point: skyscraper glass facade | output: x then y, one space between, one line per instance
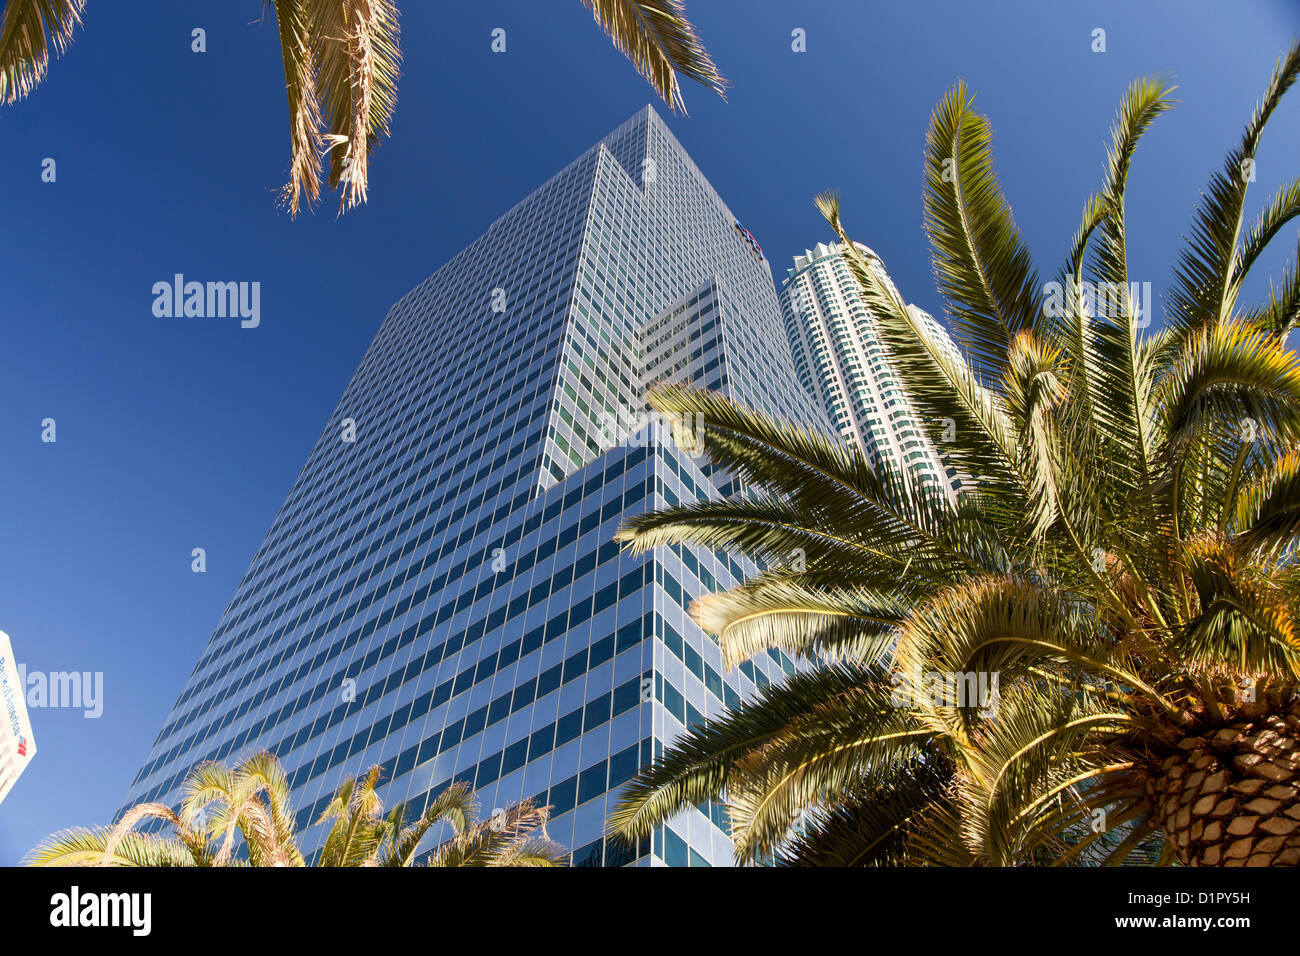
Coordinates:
440 593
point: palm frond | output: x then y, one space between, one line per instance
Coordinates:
506 838
803 466
1282 314
1035 387
86 847
294 21
28 28
782 610
1122 409
871 827
1268 510
698 765
660 41
1233 377
984 268
843 742
1037 740
1281 209
455 805
355 837
1203 289
359 63
262 776
1246 625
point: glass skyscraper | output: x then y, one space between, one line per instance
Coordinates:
440 593
842 360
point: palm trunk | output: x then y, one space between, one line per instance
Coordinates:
1232 796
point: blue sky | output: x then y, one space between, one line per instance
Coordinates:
175 434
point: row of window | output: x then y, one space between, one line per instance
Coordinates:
615 467
538 743
415 485
579 613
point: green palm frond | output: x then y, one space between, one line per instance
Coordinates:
507 838
843 741
532 852
355 837
808 482
263 778
781 610
1231 377
660 42
1282 314
1090 820
1034 388
1203 283
700 763
1144 100
86 847
1036 741
934 835
1070 328
1122 408
808 468
984 268
872 826
28 28
455 805
192 842
1268 510
1281 209
1246 625
211 802
1009 626
1095 210
765 527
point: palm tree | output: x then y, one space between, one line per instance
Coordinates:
363 836
1121 568
342 60
251 801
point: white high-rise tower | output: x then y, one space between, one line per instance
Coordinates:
842 361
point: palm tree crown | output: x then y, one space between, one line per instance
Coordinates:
1094 651
225 811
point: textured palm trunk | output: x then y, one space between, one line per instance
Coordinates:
1232 796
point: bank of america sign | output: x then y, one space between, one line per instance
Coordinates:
17 747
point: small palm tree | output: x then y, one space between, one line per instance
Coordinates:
251 801
342 60
218 803
1122 568
363 836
